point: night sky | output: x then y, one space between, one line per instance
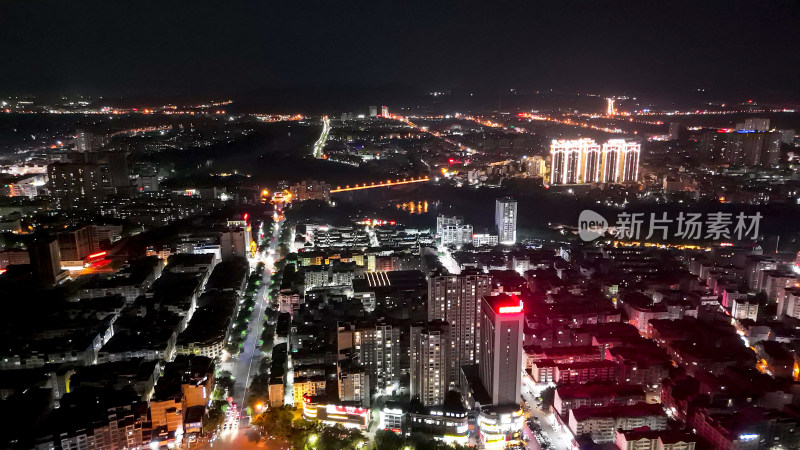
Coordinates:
233 47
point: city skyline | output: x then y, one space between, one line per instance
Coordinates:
399 226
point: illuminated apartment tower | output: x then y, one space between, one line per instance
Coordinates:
620 161
430 362
456 299
505 218
575 161
582 161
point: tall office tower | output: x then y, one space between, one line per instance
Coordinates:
373 111
430 346
753 124
500 367
574 161
620 161
505 219
76 185
46 260
385 111
455 299
75 245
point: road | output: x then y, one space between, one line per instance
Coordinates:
560 440
246 365
319 146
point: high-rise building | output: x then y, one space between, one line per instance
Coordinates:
675 131
385 111
752 148
501 340
373 111
87 141
753 124
77 244
236 241
582 161
353 383
310 190
381 348
505 218
623 167
46 260
117 168
455 299
536 166
453 231
83 141
430 362
568 165
76 185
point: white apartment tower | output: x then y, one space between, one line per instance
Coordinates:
430 362
505 218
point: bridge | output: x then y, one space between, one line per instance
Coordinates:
380 184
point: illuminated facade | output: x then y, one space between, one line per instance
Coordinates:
445 423
429 362
581 161
500 426
611 110
455 299
621 161
336 414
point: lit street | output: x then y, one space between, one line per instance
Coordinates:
246 364
560 440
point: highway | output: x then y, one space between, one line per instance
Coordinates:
319 146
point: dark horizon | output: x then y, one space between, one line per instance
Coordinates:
285 53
